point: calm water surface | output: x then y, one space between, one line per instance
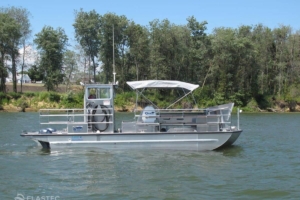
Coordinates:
264 163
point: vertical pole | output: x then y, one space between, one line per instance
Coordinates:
114 72
238 118
136 102
114 83
113 107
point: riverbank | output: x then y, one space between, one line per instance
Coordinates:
280 107
13 108
34 101
39 87
34 98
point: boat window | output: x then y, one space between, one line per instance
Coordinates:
104 93
98 93
92 93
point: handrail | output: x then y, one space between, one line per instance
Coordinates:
78 115
189 109
72 116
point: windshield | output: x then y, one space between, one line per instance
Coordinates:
98 93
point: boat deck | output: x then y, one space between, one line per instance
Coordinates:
100 120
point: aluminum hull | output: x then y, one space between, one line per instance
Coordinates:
168 141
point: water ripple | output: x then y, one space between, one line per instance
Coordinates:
263 164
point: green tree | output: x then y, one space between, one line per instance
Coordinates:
198 67
262 38
234 66
21 15
51 45
294 58
281 37
139 52
35 73
87 27
82 62
9 36
169 44
70 66
113 32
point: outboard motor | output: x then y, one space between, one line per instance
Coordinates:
149 114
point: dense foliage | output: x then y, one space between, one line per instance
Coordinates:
244 64
250 62
39 100
10 33
52 44
87 26
14 33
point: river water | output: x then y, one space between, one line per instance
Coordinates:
264 163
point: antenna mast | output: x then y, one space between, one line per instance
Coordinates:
114 72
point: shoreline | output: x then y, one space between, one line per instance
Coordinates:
38 99
11 108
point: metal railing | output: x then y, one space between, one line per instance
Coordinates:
197 120
66 119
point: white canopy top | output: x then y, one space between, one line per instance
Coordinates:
161 84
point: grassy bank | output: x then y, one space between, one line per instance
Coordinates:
33 101
34 97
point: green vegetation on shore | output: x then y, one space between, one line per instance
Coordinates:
38 100
254 66
33 101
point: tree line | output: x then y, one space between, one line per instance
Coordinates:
14 33
229 64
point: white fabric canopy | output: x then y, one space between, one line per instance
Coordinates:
161 84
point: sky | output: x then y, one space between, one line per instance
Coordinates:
217 13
